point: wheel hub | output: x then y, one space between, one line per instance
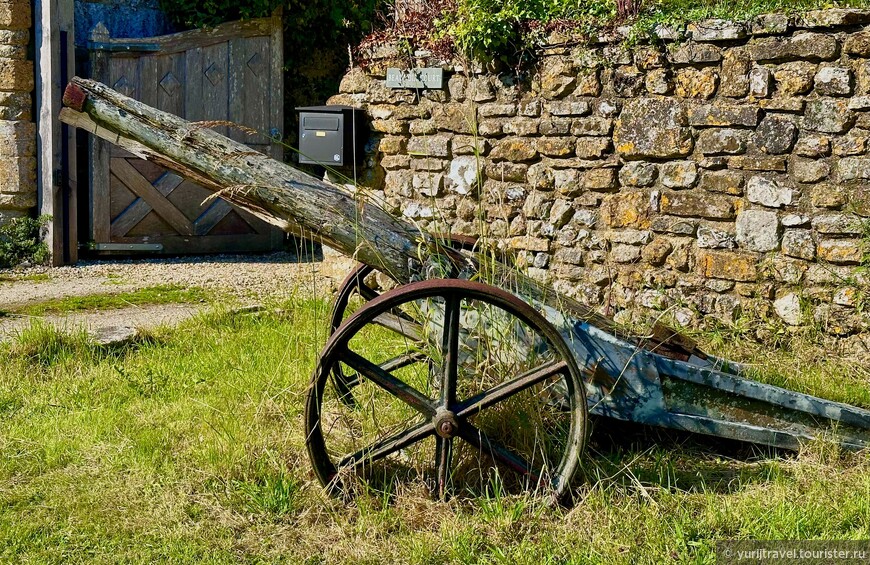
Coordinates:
446 423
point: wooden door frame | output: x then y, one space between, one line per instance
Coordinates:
54 38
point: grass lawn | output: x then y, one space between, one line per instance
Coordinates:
189 448
152 295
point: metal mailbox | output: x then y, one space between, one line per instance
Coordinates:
333 136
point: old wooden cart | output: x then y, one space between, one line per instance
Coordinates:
467 374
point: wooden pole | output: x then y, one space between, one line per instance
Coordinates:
275 192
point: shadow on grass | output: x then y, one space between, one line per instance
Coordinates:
635 456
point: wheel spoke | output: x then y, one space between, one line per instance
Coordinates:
443 456
497 451
505 390
401 390
387 446
366 291
450 349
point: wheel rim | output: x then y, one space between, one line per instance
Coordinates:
354 284
489 398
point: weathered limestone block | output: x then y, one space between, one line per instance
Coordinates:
696 83
760 82
555 126
392 127
657 251
428 164
423 127
16 74
723 115
455 117
394 162
507 171
795 78
799 244
393 145
813 146
15 15
557 78
430 146
658 81
768 192
716 30
18 201
591 126
464 175
722 141
638 174
728 265
701 205
735 74
852 168
480 89
468 145
858 44
15 37
17 139
18 175
356 81
626 210
541 177
627 82
808 170
758 230
834 81
497 110
838 224
588 83
695 53
769 24
512 149
853 143
555 146
725 182
840 251
828 115
569 108
538 204
834 17
521 127
600 180
651 127
674 225
428 184
788 308
775 135
826 195
679 174
710 237
805 45
591 147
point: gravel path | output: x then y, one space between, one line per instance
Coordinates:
246 279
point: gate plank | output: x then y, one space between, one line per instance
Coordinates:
136 212
140 186
210 218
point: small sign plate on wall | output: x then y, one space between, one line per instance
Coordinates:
431 78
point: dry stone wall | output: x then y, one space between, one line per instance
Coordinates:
17 131
723 173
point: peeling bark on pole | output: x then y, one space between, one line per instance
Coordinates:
274 191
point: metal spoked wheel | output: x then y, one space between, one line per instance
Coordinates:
459 385
355 291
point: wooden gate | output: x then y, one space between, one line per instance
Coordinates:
230 73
